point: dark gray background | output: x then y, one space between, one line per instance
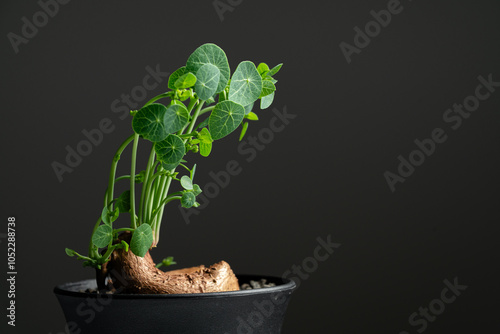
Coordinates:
322 175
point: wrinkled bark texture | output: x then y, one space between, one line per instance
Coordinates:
128 273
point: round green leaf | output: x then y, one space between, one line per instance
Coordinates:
225 118
267 88
185 81
208 79
149 122
171 150
205 149
103 236
266 101
210 54
123 202
69 252
176 117
246 84
248 108
188 199
186 183
176 75
204 136
142 239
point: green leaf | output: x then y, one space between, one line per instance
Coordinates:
246 84
243 130
176 75
225 118
166 262
263 69
266 101
109 216
205 149
248 108
123 202
203 124
275 70
170 151
186 182
208 79
185 81
142 239
149 122
204 136
188 199
176 117
196 190
70 252
210 54
103 236
267 88
252 116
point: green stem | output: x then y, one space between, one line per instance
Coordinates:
123 229
112 173
146 180
156 98
205 110
132 182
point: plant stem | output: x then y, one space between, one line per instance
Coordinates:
144 193
112 173
205 110
132 182
156 98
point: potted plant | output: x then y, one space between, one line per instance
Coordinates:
130 293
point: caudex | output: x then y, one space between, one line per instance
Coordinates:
207 103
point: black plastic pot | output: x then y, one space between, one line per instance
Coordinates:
255 311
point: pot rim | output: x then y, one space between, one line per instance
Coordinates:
286 285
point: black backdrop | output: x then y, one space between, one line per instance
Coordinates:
322 175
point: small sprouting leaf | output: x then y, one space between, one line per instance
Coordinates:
267 88
103 236
171 150
105 216
252 117
205 149
124 245
142 239
243 130
208 79
185 81
210 100
263 69
186 182
176 117
248 108
149 122
275 70
225 118
188 199
123 202
70 252
266 101
186 94
176 75
210 54
166 262
204 136
196 190
246 84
